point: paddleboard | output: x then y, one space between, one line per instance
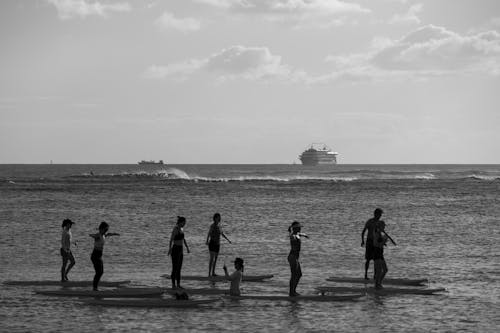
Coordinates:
149 303
314 298
393 281
122 292
383 291
65 284
198 291
221 278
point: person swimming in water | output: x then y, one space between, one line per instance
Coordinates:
213 242
66 254
175 250
96 256
293 257
235 277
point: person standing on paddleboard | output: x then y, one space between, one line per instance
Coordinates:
236 277
66 239
96 256
175 250
213 242
369 228
293 256
380 238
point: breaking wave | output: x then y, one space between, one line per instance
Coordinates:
235 174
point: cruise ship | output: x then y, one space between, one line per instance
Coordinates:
150 162
318 154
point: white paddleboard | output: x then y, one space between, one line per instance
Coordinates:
314 298
64 284
393 281
122 292
383 291
221 278
149 303
198 291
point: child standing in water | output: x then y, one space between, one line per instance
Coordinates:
175 249
213 242
66 239
236 277
293 256
96 257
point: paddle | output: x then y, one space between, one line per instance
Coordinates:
389 237
223 235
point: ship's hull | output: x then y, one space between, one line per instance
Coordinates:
315 163
150 162
312 161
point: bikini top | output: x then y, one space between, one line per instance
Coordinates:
99 242
294 244
179 235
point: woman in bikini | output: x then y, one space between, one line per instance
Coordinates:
175 250
96 256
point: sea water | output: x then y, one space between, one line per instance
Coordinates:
445 220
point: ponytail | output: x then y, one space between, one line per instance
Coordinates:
181 219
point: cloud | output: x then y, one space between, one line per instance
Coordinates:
250 63
410 17
68 9
317 13
179 71
283 6
169 21
426 52
437 49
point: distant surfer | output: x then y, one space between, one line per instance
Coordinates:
96 256
369 228
66 239
380 238
293 256
213 242
175 250
235 277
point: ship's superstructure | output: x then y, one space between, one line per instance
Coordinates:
318 154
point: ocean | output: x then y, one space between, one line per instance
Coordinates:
445 220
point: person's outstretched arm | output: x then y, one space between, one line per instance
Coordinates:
228 277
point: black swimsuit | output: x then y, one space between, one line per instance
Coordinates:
177 258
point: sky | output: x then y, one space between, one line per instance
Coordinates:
249 81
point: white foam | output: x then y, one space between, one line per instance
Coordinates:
483 177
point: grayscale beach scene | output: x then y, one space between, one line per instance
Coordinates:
249 166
